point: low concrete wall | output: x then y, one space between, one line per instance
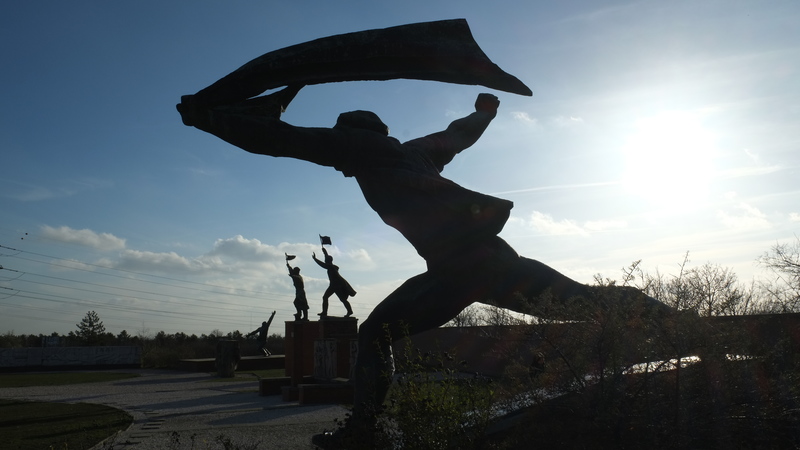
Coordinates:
69 357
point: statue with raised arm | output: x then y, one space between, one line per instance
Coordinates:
300 301
453 228
263 334
337 285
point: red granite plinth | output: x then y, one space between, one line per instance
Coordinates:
300 338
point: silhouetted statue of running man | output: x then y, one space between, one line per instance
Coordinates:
454 229
263 334
337 285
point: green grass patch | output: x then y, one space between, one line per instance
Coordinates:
58 425
59 378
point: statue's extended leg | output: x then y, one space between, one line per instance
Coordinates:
492 272
343 299
548 293
488 272
421 303
325 298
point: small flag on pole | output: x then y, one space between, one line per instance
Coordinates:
325 240
290 257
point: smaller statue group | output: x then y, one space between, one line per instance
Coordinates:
337 285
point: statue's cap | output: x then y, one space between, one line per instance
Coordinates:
366 120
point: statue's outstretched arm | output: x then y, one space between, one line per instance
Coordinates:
460 134
319 263
265 134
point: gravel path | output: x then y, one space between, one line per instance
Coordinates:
180 410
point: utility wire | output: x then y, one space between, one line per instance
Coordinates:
225 288
285 297
72 267
207 289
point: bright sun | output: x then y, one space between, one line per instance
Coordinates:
669 160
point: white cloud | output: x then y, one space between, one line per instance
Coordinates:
794 217
242 249
361 258
524 117
546 224
85 237
227 256
563 121
168 262
742 172
248 260
71 264
745 217
602 225
555 121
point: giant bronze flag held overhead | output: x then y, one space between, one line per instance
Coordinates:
442 51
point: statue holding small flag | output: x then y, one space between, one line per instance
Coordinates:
300 301
338 285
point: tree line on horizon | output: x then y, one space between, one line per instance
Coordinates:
709 289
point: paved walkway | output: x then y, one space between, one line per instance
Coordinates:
181 410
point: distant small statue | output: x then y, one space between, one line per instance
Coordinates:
338 285
263 332
300 300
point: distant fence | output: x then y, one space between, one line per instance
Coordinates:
69 357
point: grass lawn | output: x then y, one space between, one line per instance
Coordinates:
33 425
9 380
30 425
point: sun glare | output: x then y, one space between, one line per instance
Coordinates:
669 160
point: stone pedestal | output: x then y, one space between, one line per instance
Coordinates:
332 336
227 358
299 349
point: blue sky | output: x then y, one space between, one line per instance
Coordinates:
655 128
